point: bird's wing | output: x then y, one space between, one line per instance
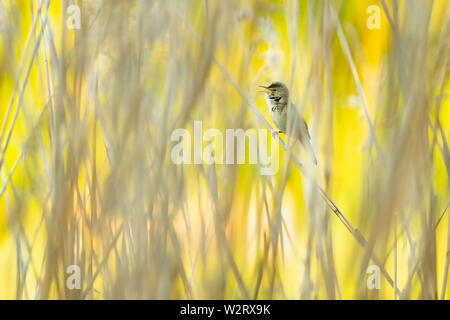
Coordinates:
298 123
300 129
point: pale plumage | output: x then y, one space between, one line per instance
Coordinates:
287 118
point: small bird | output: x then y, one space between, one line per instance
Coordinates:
287 118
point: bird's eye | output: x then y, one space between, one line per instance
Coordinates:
274 90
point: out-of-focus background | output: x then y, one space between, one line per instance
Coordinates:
86 117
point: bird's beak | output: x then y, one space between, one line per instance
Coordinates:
266 90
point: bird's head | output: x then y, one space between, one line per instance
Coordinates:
277 92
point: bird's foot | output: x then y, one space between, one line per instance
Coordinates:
275 133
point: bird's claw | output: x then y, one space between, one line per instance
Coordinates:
275 133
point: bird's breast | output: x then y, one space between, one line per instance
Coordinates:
277 113
279 118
